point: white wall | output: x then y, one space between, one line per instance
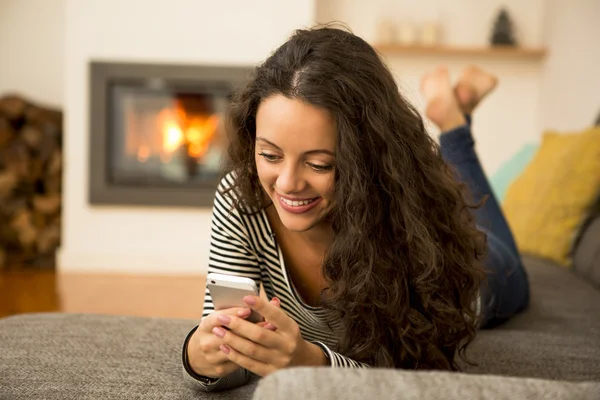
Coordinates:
560 92
570 85
241 32
464 22
32 49
509 117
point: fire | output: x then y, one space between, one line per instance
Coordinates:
143 154
178 129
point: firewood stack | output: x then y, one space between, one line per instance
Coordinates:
30 183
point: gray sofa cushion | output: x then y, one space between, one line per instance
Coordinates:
59 356
327 384
586 257
557 337
62 356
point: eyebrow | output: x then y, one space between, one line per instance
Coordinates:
306 152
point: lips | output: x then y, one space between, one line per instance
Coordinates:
298 206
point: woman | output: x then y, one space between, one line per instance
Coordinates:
341 205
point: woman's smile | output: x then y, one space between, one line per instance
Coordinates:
295 158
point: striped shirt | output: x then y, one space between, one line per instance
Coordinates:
244 245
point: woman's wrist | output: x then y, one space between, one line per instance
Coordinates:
189 365
316 356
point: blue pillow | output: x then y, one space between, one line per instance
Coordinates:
511 169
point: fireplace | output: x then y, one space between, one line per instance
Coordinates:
157 134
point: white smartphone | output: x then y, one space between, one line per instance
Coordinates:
228 291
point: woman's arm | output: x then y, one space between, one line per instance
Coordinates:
337 360
230 253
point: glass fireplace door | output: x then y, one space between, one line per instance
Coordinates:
165 137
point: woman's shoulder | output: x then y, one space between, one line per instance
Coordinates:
227 184
229 196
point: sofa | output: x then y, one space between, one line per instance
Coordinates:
552 350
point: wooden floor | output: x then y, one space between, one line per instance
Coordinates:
23 291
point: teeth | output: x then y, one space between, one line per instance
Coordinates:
296 203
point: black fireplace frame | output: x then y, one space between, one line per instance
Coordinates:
102 75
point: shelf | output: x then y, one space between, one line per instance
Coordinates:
515 52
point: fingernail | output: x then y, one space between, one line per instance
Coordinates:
224 349
219 332
277 300
244 312
270 326
250 300
224 319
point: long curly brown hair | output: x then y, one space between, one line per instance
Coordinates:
404 270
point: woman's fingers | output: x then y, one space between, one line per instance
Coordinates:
243 345
251 331
211 320
271 311
267 325
257 367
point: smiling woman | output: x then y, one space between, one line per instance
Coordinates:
295 158
338 202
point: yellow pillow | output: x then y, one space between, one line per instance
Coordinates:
545 205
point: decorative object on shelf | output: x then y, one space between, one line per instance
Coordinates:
502 34
406 34
430 34
386 33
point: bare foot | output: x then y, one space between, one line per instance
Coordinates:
442 107
472 86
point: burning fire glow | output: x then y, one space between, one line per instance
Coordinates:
178 129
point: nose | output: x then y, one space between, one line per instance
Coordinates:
290 180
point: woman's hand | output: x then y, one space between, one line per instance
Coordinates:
204 355
263 351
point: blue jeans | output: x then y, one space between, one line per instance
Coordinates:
506 291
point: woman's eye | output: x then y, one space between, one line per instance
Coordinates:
321 168
269 157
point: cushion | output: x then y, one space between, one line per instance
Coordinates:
328 384
586 258
556 337
511 170
547 203
74 356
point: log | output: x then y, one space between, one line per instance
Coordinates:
48 239
8 236
47 204
27 233
8 182
32 136
55 163
43 116
39 220
6 131
36 171
51 141
12 205
30 182
12 107
15 158
53 184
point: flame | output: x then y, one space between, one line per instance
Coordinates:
200 133
143 153
178 129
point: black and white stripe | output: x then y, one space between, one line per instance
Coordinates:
244 245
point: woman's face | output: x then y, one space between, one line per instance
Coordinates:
295 160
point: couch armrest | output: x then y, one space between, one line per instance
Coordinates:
365 384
